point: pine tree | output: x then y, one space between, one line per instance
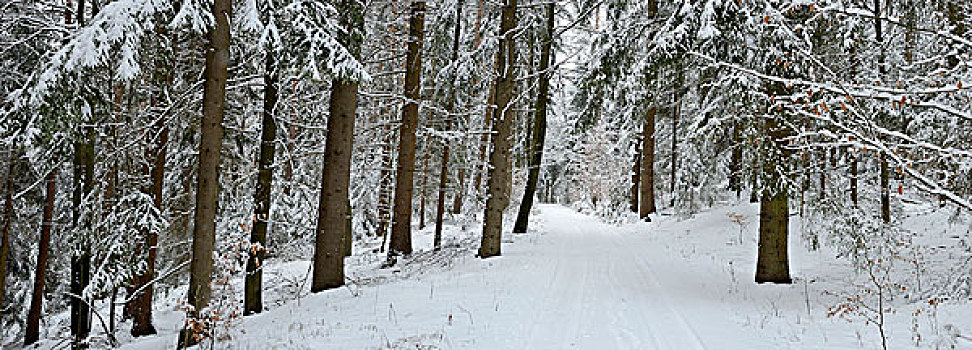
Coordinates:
401 236
333 231
539 124
500 160
210 143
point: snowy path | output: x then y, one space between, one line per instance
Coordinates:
575 284
599 290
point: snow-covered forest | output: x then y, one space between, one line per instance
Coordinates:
472 174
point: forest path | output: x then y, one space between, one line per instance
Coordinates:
573 282
601 289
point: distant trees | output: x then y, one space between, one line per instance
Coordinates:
659 107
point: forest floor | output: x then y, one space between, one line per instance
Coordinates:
575 282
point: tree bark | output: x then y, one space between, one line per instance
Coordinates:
501 172
539 125
253 297
401 237
648 165
334 208
43 251
210 142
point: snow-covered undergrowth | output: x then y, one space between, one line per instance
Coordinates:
576 282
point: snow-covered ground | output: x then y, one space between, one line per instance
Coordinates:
578 283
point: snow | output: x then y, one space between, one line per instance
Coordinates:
575 282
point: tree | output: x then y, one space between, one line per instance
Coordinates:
444 171
40 273
253 297
401 236
501 170
648 164
539 125
207 185
333 232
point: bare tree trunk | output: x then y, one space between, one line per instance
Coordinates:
40 274
500 174
539 125
401 238
253 297
334 208
735 162
425 182
443 172
648 165
210 142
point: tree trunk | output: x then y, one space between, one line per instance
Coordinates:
81 262
735 161
43 250
635 178
486 137
539 125
334 208
425 182
401 237
885 188
772 263
501 172
853 179
210 142
384 186
648 165
823 173
253 297
676 115
443 172
142 305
